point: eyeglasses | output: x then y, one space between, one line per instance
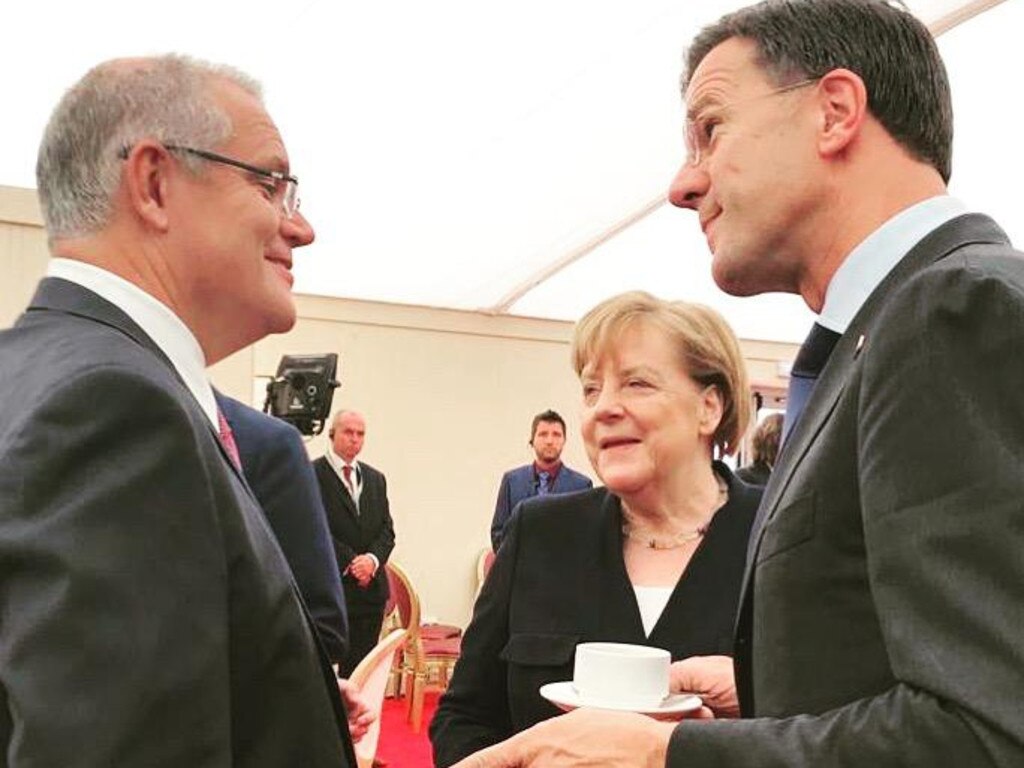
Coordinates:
700 130
285 189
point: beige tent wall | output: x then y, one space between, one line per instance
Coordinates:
23 251
448 398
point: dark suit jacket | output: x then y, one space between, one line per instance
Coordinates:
755 474
149 617
883 615
559 580
521 483
277 467
370 530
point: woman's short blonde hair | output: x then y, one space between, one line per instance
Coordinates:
708 350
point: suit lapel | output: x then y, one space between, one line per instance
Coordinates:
616 614
969 229
349 500
341 491
367 505
58 295
819 407
563 482
524 487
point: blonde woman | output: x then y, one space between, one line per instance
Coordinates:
655 557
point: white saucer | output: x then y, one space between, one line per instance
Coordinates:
674 707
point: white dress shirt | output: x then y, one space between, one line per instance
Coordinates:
338 464
157 320
874 258
651 601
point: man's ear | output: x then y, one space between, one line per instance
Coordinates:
843 102
146 176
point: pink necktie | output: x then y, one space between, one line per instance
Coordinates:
227 439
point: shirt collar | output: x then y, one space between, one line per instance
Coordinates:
156 319
337 462
537 469
868 264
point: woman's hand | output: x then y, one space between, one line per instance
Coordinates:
710 677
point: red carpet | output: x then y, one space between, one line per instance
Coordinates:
399 747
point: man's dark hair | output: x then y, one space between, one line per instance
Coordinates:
549 416
890 49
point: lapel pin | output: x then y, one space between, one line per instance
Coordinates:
860 346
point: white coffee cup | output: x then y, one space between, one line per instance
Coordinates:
620 674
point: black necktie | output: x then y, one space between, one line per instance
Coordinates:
810 361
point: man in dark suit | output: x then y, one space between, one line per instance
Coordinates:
881 618
547 474
276 465
355 496
149 615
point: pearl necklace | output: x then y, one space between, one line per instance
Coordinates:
647 538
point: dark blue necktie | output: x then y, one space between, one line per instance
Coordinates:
810 361
543 478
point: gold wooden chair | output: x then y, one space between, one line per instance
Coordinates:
371 677
484 561
430 651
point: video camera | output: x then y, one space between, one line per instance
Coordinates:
302 391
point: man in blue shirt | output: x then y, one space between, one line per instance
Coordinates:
547 474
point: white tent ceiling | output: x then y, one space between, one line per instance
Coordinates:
458 153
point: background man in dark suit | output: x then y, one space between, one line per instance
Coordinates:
276 465
149 616
355 496
882 617
547 474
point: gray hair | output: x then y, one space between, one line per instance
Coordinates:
116 104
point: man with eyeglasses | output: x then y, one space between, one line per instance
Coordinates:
149 616
882 616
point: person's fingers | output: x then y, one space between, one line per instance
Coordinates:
687 676
478 760
366 718
349 692
498 756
